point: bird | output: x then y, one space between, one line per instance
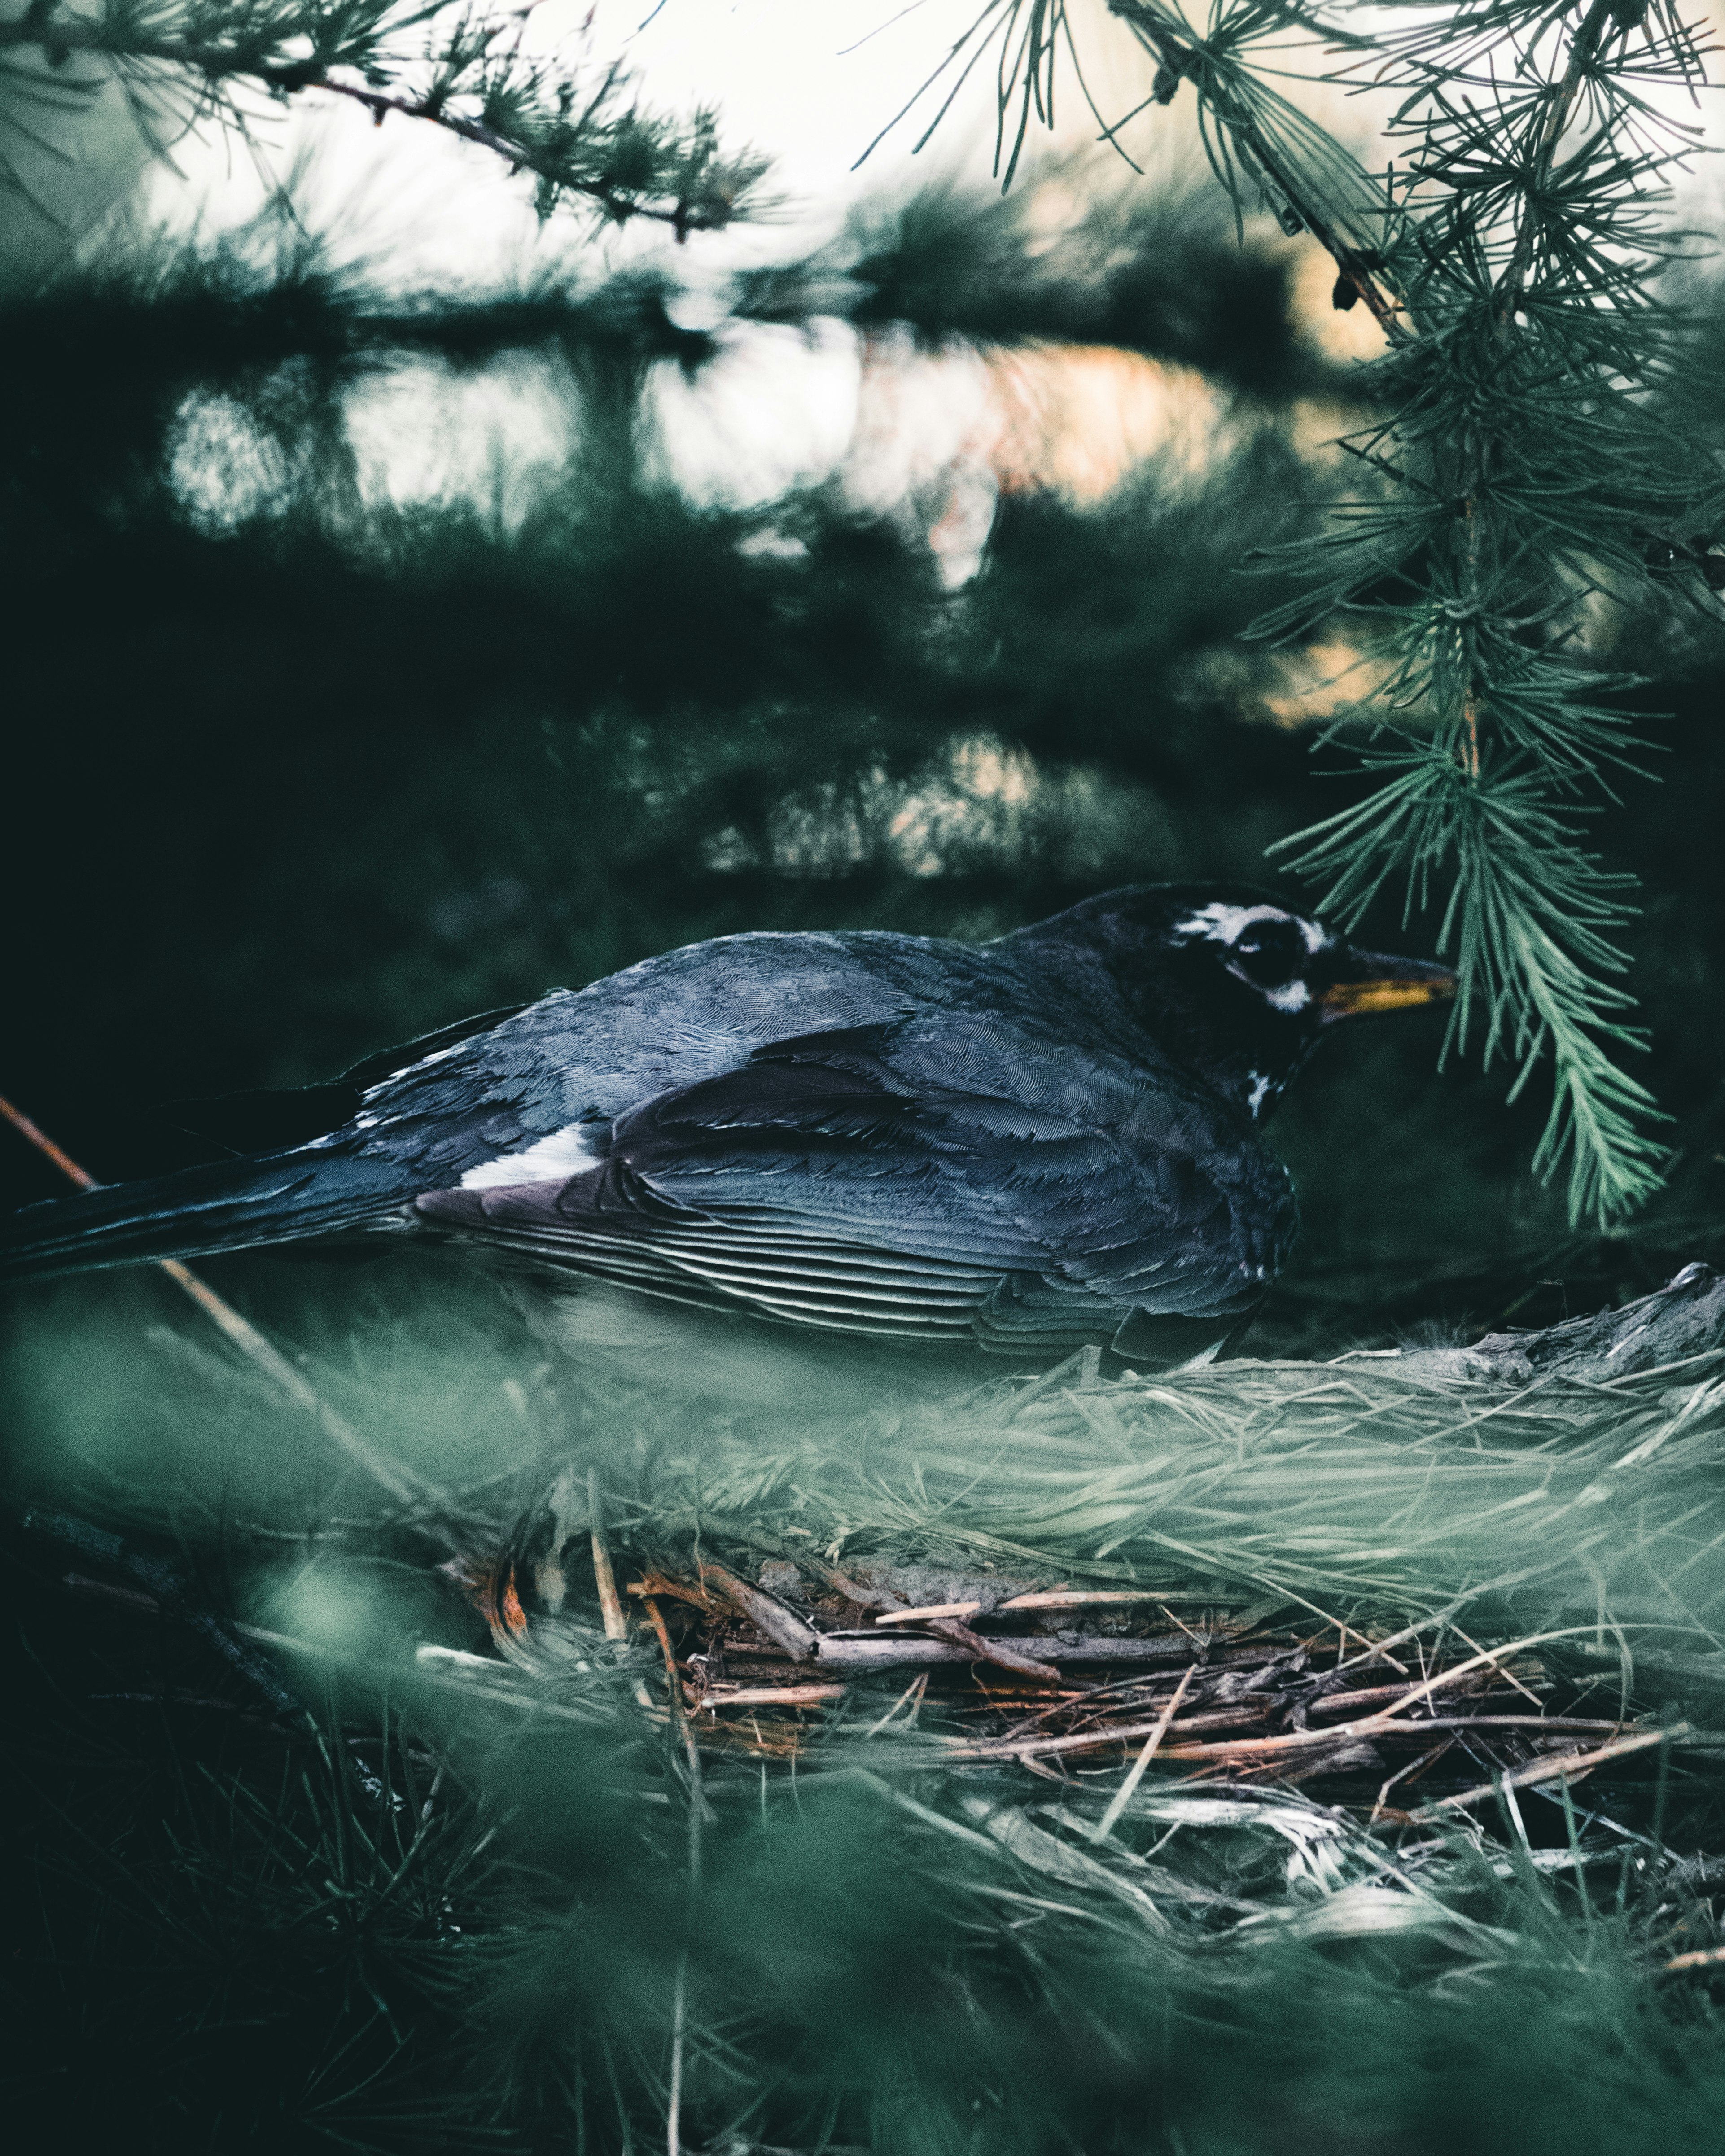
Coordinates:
1023 1147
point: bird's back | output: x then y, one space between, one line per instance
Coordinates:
865 1131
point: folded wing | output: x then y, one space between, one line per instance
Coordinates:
831 1181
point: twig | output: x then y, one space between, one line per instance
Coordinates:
1411 1772
674 1678
800 1641
1057 1597
475 1676
1014 1655
1549 129
166 1590
1027 1654
1377 1651
1245 1749
1561 1766
1508 1676
1492 1657
611 1609
616 1624
1005 1655
913 1691
401 1483
1087 1740
811 1694
216 63
1123 1795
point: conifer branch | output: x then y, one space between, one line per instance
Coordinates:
462 69
1185 59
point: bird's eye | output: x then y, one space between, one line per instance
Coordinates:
1269 953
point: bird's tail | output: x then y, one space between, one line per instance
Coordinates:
230 1205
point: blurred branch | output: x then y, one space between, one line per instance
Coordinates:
577 136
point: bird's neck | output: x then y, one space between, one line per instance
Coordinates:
1157 1021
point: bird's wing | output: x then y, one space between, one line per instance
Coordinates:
832 1180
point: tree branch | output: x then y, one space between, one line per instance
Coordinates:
1182 59
1547 136
218 64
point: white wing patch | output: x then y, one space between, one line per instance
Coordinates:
1221 923
564 1152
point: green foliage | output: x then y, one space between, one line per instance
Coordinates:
452 1905
1524 470
577 130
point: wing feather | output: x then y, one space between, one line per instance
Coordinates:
830 1181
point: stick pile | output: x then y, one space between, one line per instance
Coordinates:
1063 1680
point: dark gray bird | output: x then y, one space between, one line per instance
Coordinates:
1024 1145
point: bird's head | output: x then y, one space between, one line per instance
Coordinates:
1234 984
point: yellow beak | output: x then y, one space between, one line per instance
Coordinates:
1387 985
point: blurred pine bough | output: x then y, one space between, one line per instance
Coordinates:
503 726
572 124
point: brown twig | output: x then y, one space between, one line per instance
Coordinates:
800 1641
1026 1654
1015 1656
616 1624
1247 1748
810 1694
1135 1775
1054 1598
674 1679
1560 1766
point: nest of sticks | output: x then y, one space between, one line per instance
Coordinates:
770 1657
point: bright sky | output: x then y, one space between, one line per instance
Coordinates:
809 82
